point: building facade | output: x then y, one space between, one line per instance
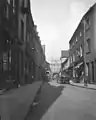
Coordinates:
76 52
55 66
66 64
43 46
21 54
8 42
83 47
64 59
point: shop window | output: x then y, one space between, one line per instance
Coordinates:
24 9
13 6
8 1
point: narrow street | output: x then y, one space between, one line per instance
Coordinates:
64 102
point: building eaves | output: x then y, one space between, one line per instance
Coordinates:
75 32
89 10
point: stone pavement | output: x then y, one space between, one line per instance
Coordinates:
64 102
89 86
15 103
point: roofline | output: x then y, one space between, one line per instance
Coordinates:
82 20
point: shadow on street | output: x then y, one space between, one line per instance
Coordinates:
48 96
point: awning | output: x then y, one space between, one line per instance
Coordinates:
78 61
69 68
78 65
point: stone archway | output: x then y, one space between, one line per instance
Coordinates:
55 75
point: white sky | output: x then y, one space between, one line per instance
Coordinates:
56 22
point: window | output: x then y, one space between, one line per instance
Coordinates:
76 39
87 23
22 7
80 34
13 6
81 51
88 46
5 61
22 30
73 57
6 9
